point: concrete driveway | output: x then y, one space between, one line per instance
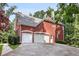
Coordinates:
41 49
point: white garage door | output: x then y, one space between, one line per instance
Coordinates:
46 38
26 37
41 38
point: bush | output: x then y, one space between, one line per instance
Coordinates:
4 37
0 37
61 42
13 40
75 42
1 46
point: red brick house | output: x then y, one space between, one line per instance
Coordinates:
4 21
31 29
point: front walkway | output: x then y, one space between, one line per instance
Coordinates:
5 49
44 50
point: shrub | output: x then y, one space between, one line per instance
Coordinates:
1 46
14 46
13 40
75 42
4 37
61 42
0 37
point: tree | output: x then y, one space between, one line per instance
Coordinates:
3 5
68 14
49 12
3 34
76 26
42 13
9 11
67 11
39 14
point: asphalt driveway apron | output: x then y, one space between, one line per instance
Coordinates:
41 49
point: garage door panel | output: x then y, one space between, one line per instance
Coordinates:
46 38
41 38
38 38
26 38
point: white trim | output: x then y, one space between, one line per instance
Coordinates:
34 32
41 33
26 31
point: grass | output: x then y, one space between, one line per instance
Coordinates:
1 49
14 46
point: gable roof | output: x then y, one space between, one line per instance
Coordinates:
29 20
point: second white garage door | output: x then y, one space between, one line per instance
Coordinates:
26 37
41 38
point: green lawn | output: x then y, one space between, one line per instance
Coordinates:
14 46
1 49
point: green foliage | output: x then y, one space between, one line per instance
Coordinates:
13 40
42 13
0 37
73 42
14 46
76 27
61 42
3 5
68 14
1 49
9 10
4 37
39 14
49 11
69 29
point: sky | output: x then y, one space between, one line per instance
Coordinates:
27 8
